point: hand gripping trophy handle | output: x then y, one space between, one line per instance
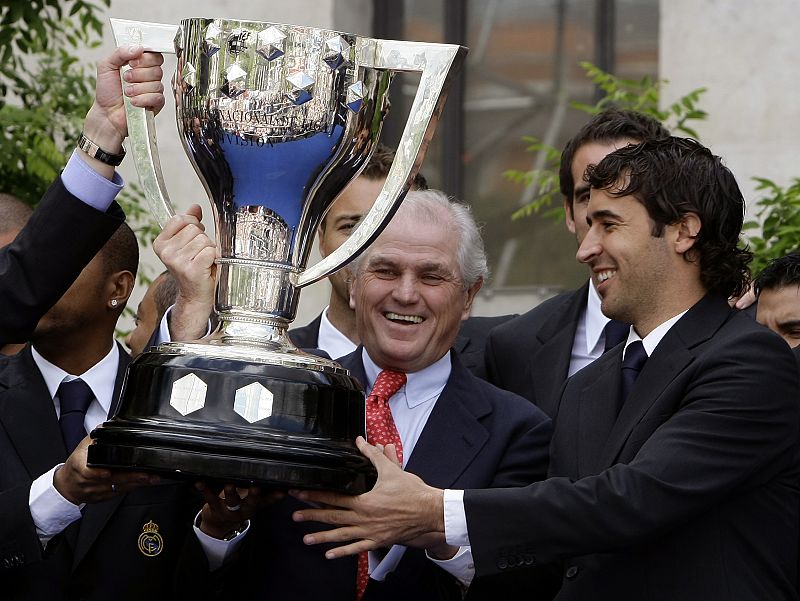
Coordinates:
438 65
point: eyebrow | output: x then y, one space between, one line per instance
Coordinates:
580 189
349 217
792 323
602 213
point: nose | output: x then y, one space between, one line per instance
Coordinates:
406 289
590 247
127 340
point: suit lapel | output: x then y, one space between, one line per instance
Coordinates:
596 409
452 436
28 415
671 356
96 516
550 363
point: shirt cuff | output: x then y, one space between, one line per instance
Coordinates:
87 185
460 565
218 551
455 519
163 328
50 511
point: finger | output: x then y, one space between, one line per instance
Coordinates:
143 74
324 497
150 59
195 211
390 453
335 517
355 548
132 90
337 535
154 102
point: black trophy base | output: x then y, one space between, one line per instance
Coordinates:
231 420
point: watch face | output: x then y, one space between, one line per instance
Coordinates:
94 151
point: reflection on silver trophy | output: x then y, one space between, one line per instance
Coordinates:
276 120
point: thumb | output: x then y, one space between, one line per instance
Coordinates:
195 211
121 56
380 461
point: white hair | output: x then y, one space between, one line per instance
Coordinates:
435 206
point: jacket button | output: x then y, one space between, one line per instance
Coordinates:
502 563
529 559
572 571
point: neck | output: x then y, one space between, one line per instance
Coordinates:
689 297
343 318
75 358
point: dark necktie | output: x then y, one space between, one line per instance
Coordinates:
632 364
615 332
75 397
381 429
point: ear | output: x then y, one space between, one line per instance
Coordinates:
471 292
687 230
569 216
353 286
121 286
320 234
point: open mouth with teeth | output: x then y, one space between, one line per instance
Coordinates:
604 275
404 319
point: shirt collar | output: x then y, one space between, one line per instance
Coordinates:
595 320
650 342
331 340
421 386
101 377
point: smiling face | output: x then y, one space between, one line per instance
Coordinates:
408 294
635 273
590 153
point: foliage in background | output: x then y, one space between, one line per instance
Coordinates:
45 93
777 222
639 95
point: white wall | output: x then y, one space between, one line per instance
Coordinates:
183 185
745 53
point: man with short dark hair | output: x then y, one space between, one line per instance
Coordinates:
674 462
777 289
534 354
37 267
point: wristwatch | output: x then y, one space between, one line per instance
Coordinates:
94 151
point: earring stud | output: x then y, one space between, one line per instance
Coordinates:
113 302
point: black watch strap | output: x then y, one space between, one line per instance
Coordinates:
94 151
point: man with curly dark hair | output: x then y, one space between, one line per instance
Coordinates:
674 463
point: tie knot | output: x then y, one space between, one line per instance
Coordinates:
74 395
615 332
635 356
387 384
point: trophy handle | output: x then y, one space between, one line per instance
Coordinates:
154 37
439 64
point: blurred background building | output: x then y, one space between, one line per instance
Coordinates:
522 74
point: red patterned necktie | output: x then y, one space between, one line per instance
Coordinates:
381 429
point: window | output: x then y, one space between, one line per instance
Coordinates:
521 74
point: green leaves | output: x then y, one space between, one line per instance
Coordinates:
778 222
639 95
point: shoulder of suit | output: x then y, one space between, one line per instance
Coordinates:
534 319
508 404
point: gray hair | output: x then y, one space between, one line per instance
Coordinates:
452 215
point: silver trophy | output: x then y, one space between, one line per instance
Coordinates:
276 120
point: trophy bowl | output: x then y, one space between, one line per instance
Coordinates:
276 120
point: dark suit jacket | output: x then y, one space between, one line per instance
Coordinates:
690 493
530 355
96 557
469 343
37 268
476 436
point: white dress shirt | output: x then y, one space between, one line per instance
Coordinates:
331 340
455 518
411 406
50 511
590 340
